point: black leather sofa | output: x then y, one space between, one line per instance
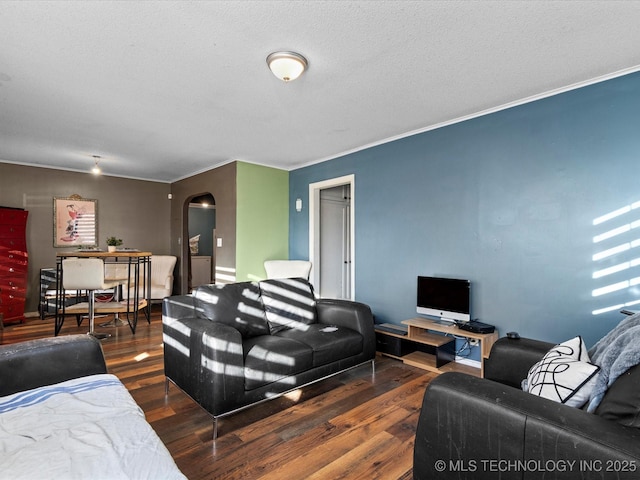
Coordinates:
231 346
489 428
36 363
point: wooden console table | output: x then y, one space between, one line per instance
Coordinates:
138 269
430 345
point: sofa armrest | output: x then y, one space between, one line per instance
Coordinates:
205 359
473 423
354 315
47 361
179 306
510 359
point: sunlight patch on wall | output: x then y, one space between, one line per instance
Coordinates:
225 274
611 251
615 274
616 268
612 233
615 213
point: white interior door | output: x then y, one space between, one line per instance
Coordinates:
335 256
331 237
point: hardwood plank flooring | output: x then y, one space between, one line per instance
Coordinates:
351 426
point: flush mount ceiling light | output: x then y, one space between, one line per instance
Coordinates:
96 168
287 66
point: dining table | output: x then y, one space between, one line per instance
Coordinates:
138 268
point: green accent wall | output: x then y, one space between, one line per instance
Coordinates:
262 219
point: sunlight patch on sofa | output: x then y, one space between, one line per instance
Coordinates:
219 345
170 338
288 294
268 377
177 325
207 296
217 366
277 305
222 368
271 357
287 322
251 294
249 310
175 344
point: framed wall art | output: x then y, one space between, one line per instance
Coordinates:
75 221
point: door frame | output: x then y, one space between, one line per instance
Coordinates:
314 227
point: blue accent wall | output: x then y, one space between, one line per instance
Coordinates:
506 200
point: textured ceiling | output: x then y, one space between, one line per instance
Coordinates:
162 90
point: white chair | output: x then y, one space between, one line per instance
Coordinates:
87 274
116 271
287 269
161 278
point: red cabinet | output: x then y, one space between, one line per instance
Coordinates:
13 263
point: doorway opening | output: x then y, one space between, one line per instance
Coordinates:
332 237
201 228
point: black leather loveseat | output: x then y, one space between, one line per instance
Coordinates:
489 428
231 346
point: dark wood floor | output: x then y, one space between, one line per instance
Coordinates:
349 426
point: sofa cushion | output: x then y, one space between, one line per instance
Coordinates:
268 359
621 403
235 304
288 302
328 342
564 374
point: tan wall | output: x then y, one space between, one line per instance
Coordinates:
221 183
135 210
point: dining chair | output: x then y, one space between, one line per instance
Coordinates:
161 281
87 274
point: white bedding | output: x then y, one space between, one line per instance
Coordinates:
85 428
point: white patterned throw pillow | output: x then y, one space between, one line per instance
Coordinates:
574 348
564 374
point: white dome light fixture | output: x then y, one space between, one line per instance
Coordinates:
287 66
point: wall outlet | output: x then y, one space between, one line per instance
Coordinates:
474 342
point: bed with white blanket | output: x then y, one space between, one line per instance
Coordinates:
83 427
